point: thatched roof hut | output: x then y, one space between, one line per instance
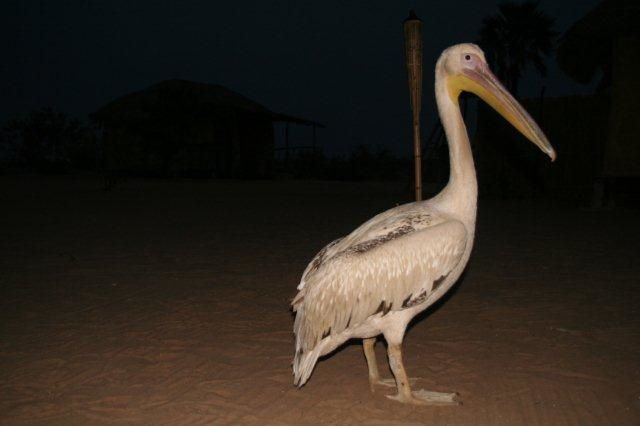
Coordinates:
179 127
607 39
587 46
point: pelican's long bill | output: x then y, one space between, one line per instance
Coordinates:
479 80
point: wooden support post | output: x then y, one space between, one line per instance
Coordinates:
413 51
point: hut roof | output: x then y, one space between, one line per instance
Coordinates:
185 96
587 45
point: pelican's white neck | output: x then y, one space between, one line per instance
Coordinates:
461 193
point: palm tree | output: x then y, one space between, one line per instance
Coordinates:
517 35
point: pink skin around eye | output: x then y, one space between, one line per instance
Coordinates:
470 60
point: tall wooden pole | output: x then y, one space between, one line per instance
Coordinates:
413 51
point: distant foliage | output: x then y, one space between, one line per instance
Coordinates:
48 141
519 34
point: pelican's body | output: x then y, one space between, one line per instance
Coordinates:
376 279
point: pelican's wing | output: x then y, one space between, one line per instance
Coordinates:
327 252
377 226
395 265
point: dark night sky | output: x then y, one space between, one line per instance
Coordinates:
340 63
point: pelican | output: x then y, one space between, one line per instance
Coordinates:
376 279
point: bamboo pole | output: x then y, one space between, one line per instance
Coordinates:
413 52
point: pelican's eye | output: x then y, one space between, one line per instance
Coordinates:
467 57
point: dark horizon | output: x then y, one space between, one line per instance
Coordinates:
342 65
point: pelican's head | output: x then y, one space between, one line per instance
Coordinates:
465 68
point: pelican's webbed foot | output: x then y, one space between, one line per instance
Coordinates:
405 394
425 397
390 383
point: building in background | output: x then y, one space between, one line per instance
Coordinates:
184 128
595 136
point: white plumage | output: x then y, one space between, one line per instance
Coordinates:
386 265
376 279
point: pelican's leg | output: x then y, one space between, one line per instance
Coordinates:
374 375
405 395
370 355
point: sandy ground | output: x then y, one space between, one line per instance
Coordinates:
166 302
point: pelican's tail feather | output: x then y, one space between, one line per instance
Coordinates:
303 364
